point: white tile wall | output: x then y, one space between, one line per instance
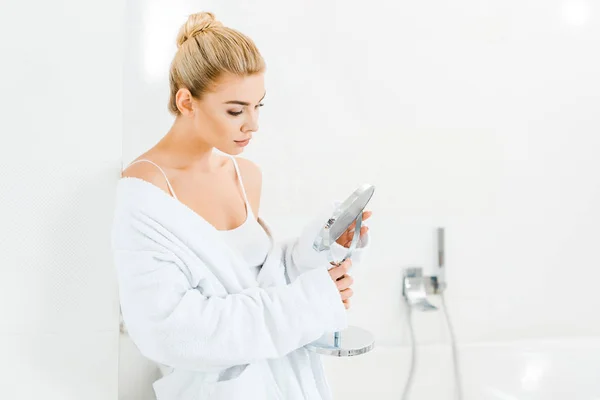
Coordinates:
61 366
61 125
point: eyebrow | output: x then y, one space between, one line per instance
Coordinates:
243 103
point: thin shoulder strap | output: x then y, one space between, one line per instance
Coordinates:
161 170
239 175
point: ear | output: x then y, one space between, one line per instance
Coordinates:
183 99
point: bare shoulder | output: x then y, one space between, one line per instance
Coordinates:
249 170
148 172
252 177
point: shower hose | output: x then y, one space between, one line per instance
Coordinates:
413 354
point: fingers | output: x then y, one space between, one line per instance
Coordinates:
366 215
346 303
348 236
346 293
340 270
344 283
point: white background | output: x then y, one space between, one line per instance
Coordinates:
479 116
61 125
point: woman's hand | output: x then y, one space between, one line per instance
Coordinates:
346 238
339 272
343 281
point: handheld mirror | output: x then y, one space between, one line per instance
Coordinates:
353 340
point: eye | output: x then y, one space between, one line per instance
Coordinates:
235 114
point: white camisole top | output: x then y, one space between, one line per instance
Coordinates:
249 239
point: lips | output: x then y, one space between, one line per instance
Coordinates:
243 143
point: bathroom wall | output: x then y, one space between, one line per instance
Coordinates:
60 102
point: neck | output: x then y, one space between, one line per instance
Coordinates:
188 150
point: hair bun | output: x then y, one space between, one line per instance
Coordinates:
196 24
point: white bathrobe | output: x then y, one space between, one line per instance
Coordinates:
190 304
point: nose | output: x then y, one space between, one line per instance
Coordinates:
251 123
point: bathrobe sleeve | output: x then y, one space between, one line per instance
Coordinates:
301 257
176 325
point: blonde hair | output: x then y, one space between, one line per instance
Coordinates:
206 49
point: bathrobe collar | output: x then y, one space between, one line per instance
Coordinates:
146 198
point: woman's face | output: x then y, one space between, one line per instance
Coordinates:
227 117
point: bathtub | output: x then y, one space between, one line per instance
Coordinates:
545 369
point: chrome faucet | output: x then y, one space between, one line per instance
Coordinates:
416 287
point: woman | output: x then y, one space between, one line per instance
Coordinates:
205 291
